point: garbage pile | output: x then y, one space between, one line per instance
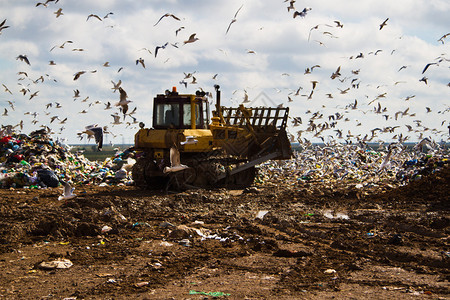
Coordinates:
357 164
36 161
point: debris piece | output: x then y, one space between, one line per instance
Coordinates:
56 264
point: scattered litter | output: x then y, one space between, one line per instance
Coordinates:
328 214
330 271
185 242
141 284
106 228
261 214
141 224
56 264
165 244
212 294
166 225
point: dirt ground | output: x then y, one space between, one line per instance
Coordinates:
302 241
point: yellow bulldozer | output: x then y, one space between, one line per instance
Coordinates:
186 148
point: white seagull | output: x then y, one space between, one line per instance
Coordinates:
67 193
175 163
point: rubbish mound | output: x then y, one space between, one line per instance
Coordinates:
358 165
36 161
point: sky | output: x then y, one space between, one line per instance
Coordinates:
381 90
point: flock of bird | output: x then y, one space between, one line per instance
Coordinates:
317 125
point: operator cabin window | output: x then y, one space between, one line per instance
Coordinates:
187 115
205 114
167 115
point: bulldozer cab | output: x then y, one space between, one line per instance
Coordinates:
177 111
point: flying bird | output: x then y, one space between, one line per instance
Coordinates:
11 104
384 23
167 15
140 61
6 89
337 73
116 119
339 24
62 45
160 47
427 66
175 162
291 5
234 19
3 26
439 40
123 102
116 85
58 13
424 79
191 39
67 192
94 16
78 74
33 95
96 132
178 30
24 58
301 13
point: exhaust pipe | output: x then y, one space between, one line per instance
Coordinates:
217 87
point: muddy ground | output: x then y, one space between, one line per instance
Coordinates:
302 241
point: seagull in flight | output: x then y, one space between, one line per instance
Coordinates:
428 65
23 58
175 162
78 74
191 39
167 15
68 192
96 132
141 61
58 13
116 85
6 89
162 47
234 19
123 103
384 23
95 16
116 119
3 26
302 13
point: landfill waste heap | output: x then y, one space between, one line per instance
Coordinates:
357 165
36 161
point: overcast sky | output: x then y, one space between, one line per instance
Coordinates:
265 54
